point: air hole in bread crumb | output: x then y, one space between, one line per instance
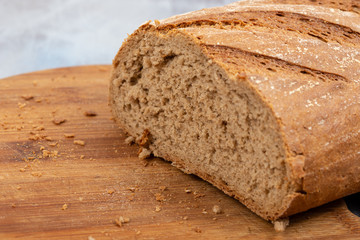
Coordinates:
271 69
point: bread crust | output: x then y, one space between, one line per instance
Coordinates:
318 113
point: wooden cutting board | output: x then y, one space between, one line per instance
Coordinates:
53 188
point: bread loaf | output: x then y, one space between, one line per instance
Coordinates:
260 98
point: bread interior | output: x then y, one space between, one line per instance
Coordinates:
202 118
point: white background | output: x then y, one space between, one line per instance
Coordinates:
42 34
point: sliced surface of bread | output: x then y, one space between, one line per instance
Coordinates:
260 98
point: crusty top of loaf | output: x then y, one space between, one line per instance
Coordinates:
325 12
304 60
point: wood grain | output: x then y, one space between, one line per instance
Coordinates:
104 179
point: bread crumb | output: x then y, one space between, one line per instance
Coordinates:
52 144
198 195
18 187
132 189
82 156
91 238
36 174
79 142
90 113
162 188
42 148
217 209
64 207
48 138
157 208
46 153
13 205
58 121
204 211
81 198
54 153
35 137
197 229
22 169
130 140
39 128
27 97
281 224
120 222
185 218
69 135
138 233
35 83
144 153
188 190
159 197
111 191
21 105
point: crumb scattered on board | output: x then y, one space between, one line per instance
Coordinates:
281 224
27 97
48 138
91 238
36 174
188 190
159 197
133 189
58 121
217 209
157 208
121 221
90 113
79 142
52 144
69 135
64 207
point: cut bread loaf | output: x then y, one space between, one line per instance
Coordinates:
260 98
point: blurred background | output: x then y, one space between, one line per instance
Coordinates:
42 34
